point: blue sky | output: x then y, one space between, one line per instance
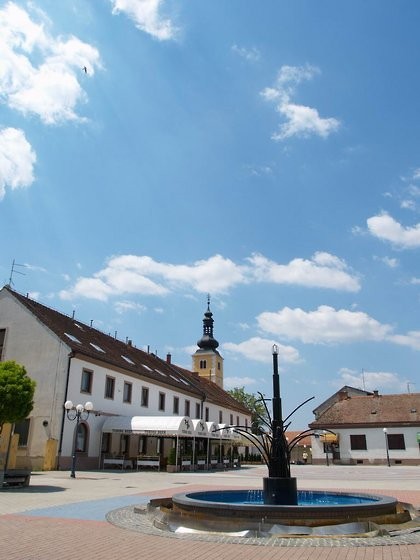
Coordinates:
266 153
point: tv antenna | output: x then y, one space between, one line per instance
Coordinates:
14 271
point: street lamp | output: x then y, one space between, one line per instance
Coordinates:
78 412
326 444
387 446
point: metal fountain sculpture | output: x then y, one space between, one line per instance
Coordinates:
279 488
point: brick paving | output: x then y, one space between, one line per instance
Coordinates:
34 526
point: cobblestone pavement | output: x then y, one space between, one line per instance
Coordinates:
59 517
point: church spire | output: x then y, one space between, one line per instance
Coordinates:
207 361
207 341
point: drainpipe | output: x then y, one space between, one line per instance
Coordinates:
71 355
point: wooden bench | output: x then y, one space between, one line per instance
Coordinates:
153 462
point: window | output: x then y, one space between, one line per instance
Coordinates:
161 401
237 421
86 383
109 387
142 445
203 364
218 366
207 414
22 428
176 405
231 420
396 441
144 397
106 443
128 389
358 442
2 337
124 444
187 408
197 410
82 438
220 416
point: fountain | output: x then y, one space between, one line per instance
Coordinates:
279 507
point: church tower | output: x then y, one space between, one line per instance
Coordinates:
207 361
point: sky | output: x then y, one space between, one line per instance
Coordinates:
153 152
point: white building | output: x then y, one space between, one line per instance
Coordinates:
368 429
72 361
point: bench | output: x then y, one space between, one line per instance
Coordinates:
117 461
153 462
17 477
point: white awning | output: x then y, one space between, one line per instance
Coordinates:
225 431
163 426
212 427
200 428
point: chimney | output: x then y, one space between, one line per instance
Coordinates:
129 342
376 393
168 358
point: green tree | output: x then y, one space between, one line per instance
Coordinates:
254 404
16 393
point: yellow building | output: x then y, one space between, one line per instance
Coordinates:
207 361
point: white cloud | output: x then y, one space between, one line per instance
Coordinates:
146 16
40 74
251 54
414 190
92 288
125 306
325 325
388 261
384 227
260 350
416 174
300 120
370 380
131 274
411 339
323 270
408 204
17 160
233 382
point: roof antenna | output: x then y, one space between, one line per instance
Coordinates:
14 271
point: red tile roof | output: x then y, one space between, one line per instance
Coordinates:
93 344
371 411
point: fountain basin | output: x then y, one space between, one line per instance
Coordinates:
245 510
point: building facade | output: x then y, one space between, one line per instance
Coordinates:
370 429
71 361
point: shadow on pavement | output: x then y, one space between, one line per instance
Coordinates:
32 489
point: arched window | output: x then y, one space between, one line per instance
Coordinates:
203 364
82 438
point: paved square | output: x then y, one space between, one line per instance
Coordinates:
60 517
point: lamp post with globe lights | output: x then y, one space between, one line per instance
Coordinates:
76 412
